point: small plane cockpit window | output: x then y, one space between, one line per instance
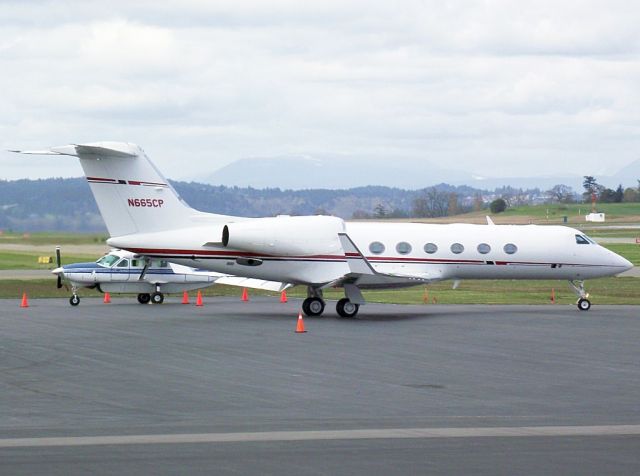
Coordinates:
159 263
510 248
108 260
403 248
430 248
164 264
123 264
136 263
457 248
483 248
582 240
376 248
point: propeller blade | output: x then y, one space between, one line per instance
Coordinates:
58 265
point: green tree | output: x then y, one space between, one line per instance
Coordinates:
498 206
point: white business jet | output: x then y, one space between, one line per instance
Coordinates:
121 271
145 215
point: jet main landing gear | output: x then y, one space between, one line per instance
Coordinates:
345 308
313 306
583 302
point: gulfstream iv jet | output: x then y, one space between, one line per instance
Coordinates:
146 216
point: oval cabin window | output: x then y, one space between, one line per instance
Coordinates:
403 248
457 248
510 248
430 248
483 248
376 248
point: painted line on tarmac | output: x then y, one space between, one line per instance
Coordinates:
374 434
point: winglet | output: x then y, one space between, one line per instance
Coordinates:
358 264
489 221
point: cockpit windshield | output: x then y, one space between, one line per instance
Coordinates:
584 240
108 260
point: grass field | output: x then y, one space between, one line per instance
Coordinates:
52 238
630 251
602 291
553 214
27 260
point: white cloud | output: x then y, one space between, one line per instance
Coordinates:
498 86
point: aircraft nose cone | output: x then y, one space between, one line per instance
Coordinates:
625 263
57 270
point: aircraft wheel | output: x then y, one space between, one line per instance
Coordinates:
74 300
157 298
346 308
584 304
313 306
144 298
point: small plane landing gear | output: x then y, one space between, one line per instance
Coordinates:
583 302
157 298
144 298
74 300
313 306
345 308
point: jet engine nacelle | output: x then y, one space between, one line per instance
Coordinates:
285 235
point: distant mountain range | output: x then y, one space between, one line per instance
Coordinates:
298 173
68 205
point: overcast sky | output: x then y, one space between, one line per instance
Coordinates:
499 88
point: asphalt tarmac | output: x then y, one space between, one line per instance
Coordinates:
229 388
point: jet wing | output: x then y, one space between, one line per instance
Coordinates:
360 267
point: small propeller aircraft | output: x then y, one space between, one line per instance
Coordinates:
145 215
121 271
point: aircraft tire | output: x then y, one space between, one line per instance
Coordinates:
74 300
313 306
144 298
584 304
157 298
345 308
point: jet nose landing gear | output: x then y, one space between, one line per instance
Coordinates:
583 302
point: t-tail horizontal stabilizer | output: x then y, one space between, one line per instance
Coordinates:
102 149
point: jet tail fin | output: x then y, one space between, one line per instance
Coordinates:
131 193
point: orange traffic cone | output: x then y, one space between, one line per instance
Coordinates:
25 302
300 326
425 296
185 298
107 298
553 296
283 296
434 301
245 294
199 299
